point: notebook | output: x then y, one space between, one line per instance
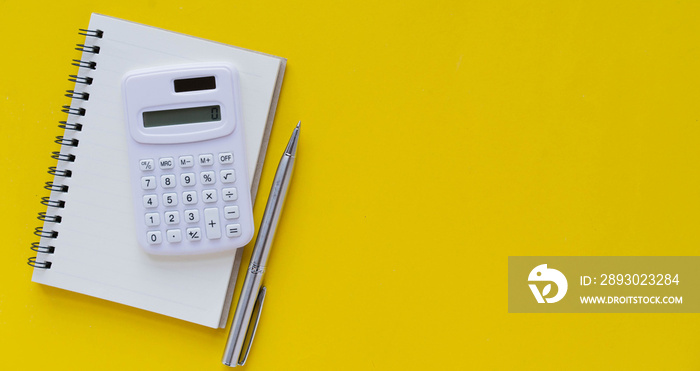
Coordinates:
88 241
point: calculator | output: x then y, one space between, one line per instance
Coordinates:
187 159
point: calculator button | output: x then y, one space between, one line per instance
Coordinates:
226 158
207 177
189 198
174 235
231 212
172 217
150 201
169 199
148 182
229 194
186 161
146 164
152 219
154 237
192 216
206 160
209 195
187 179
211 223
167 181
228 176
166 163
233 230
194 234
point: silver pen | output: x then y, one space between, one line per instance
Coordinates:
252 296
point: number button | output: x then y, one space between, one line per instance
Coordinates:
194 234
189 198
187 179
228 176
206 160
169 199
146 164
209 195
186 161
152 219
166 163
150 201
233 230
229 194
167 181
192 216
208 177
172 217
226 158
154 237
148 182
174 235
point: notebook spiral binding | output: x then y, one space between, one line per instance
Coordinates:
67 142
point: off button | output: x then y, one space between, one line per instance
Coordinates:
226 158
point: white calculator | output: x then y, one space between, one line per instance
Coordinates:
187 159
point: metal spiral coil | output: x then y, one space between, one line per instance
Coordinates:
53 170
71 142
49 218
42 249
73 111
80 79
77 94
39 231
88 48
56 187
92 33
84 64
66 157
48 202
70 126
62 156
43 265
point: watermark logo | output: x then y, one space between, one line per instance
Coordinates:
543 274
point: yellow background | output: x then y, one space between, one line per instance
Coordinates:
438 138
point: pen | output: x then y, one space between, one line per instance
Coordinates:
252 296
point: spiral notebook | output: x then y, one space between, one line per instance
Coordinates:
88 241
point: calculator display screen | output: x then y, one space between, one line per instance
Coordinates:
181 116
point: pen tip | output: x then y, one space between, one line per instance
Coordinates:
291 149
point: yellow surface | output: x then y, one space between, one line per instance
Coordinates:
438 138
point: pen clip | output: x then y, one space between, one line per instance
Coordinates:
257 309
